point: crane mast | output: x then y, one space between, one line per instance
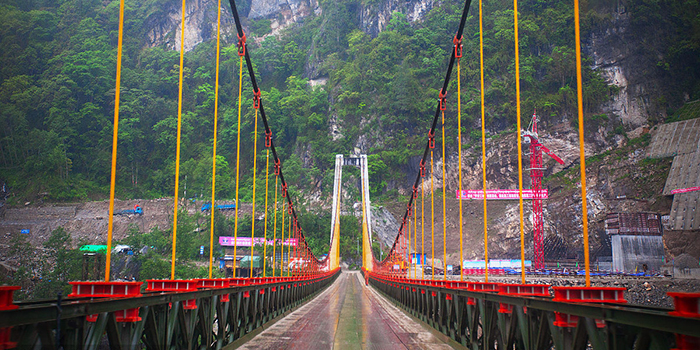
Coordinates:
536 173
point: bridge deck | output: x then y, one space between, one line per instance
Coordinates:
348 315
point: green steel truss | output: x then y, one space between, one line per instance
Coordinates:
164 324
473 319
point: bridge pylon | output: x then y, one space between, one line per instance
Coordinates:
360 162
334 255
366 216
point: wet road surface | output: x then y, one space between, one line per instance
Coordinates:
347 315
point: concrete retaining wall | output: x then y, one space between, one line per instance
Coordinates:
631 253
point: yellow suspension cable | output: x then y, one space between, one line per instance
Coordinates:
459 155
216 119
444 203
408 255
255 169
238 162
274 231
289 235
422 229
115 134
177 152
267 177
405 245
432 214
483 137
415 240
520 149
336 230
582 151
282 247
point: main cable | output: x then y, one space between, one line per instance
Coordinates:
442 94
243 51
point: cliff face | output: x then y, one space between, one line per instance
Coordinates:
619 178
200 17
282 13
375 17
200 24
612 46
612 49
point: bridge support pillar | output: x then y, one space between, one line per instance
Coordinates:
366 216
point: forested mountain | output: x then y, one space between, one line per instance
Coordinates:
375 69
336 76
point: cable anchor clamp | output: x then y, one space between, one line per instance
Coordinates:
284 190
458 46
268 138
256 99
431 139
443 103
278 167
422 168
241 45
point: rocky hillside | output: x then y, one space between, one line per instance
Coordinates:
87 222
620 179
340 76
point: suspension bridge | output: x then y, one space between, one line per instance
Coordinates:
307 302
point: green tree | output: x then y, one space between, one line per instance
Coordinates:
61 264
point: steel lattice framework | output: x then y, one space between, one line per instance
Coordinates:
488 320
536 173
165 321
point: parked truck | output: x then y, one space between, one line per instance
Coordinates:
207 206
136 211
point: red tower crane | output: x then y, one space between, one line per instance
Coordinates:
536 172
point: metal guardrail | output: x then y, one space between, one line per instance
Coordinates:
479 320
164 323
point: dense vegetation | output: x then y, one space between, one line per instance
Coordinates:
57 89
57 78
45 271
